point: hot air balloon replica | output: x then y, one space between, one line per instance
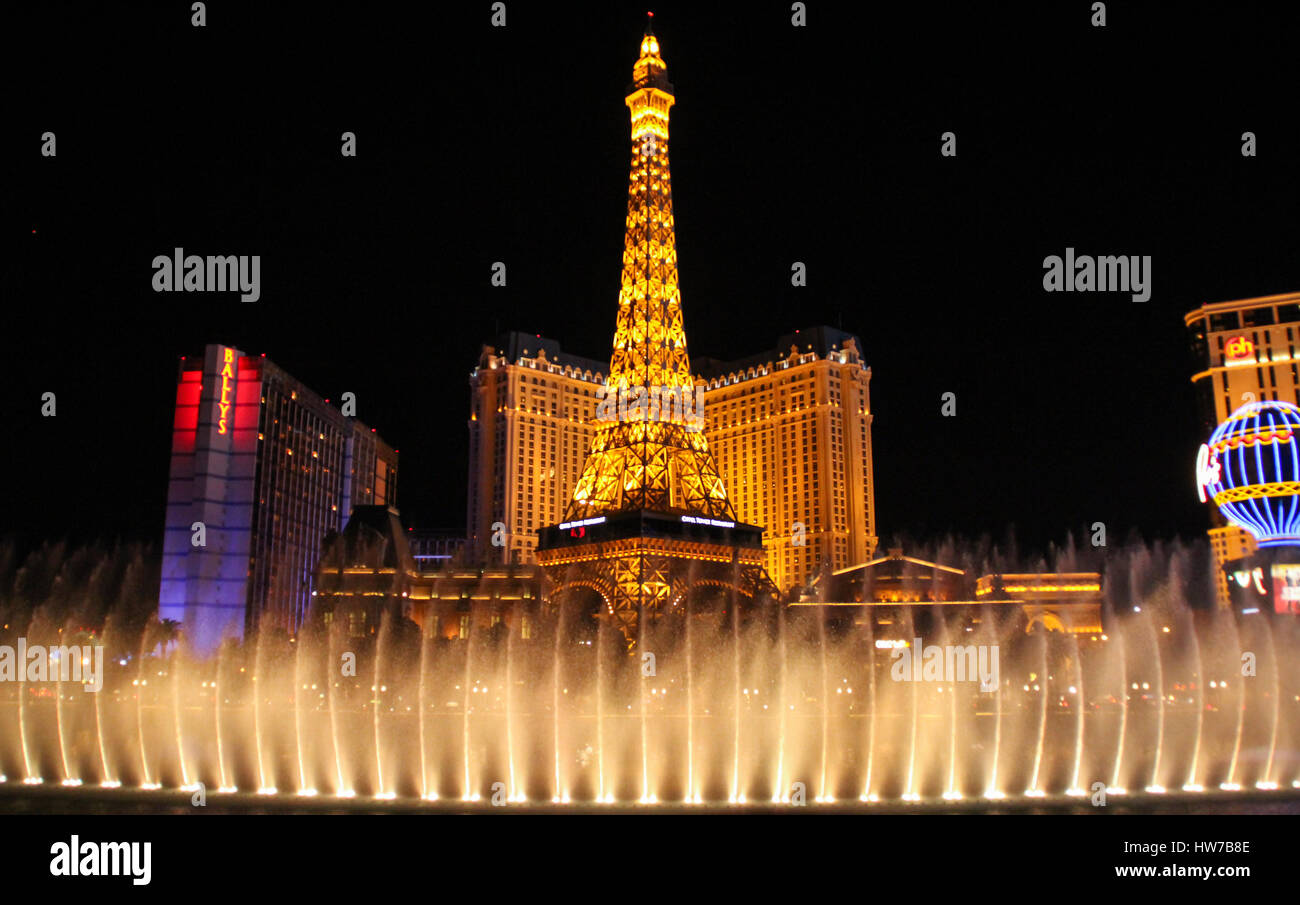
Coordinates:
1250 469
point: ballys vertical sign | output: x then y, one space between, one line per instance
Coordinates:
226 400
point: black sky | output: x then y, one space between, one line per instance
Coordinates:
478 144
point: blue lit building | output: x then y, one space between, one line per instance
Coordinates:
262 469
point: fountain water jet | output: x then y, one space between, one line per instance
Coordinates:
750 704
1035 790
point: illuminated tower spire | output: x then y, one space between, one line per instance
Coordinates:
650 522
649 451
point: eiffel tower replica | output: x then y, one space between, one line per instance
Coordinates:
650 521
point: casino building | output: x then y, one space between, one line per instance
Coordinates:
897 594
262 469
785 451
789 429
773 504
373 570
1244 351
1249 469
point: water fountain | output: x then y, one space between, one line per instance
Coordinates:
795 706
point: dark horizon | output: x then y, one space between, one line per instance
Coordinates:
817 144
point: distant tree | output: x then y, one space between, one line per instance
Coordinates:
160 634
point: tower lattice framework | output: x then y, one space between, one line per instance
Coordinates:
649 450
649 520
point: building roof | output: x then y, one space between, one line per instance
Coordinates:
306 396
515 344
373 538
1262 301
820 339
897 556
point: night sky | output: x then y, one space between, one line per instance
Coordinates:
480 144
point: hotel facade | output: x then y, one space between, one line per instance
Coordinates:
1244 351
262 470
789 429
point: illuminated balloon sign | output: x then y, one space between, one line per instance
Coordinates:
1250 469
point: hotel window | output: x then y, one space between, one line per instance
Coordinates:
1226 321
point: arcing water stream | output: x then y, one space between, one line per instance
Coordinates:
802 705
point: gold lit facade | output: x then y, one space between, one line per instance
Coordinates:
880 592
1227 543
792 437
1246 350
790 433
531 425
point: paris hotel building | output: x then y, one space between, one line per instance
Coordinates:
1244 351
789 428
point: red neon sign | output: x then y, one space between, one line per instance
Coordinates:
227 388
1238 348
